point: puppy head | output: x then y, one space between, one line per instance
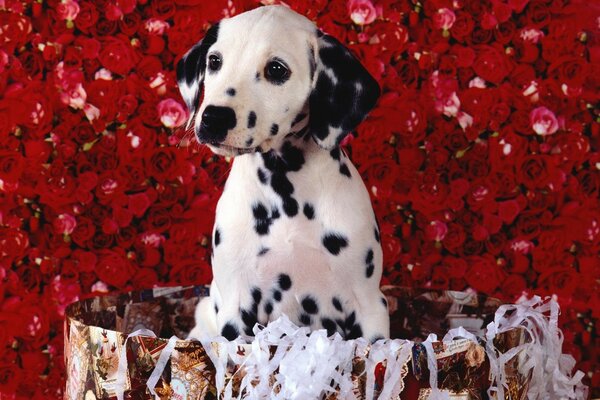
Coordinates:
267 73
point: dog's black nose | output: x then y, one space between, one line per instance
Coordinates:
216 121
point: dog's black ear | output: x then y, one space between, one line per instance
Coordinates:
191 69
343 92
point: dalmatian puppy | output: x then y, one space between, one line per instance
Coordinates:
295 231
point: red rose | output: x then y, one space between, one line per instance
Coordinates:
505 32
539 171
138 204
33 324
163 164
456 267
83 232
87 16
528 225
158 219
11 166
561 281
162 9
465 56
537 14
14 243
117 55
145 278
114 268
454 238
513 287
483 274
190 273
491 64
85 260
126 237
462 27
481 36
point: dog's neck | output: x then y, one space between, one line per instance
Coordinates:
295 150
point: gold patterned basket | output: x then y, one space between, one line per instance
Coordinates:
106 361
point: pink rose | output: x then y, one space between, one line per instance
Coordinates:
362 12
152 239
156 26
444 19
436 230
74 96
543 121
172 114
532 35
65 224
67 10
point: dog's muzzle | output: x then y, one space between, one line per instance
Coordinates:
216 122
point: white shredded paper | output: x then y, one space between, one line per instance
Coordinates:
291 362
309 365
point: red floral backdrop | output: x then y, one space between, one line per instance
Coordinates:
482 157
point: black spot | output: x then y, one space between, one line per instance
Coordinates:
298 118
261 219
251 120
345 171
216 309
335 153
292 156
354 333
376 234
309 211
290 206
263 251
249 319
217 238
275 213
334 242
268 308
291 159
342 103
256 295
370 269
257 77
337 304
305 319
350 319
329 325
282 185
384 302
262 176
277 295
229 331
274 129
231 92
249 142
192 66
369 257
310 305
285 283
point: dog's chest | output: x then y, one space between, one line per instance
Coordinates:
307 204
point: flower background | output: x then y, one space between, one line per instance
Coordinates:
482 157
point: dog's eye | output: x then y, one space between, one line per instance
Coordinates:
214 62
277 72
